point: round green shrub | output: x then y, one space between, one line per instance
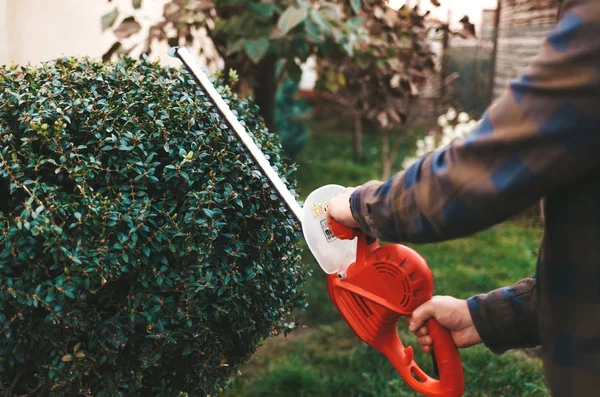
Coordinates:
141 252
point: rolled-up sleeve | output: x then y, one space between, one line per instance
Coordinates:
540 135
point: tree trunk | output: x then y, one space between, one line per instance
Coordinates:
444 64
542 216
264 92
386 163
357 138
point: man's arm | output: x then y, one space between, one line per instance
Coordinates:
541 135
506 318
502 319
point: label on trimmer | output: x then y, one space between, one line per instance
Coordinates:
327 232
331 253
319 208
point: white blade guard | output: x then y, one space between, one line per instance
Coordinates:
332 254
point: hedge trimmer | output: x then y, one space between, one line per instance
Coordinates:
371 286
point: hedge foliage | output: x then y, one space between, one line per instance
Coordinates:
141 253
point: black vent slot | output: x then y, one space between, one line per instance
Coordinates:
360 302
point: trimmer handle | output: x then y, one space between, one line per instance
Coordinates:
347 233
343 232
451 377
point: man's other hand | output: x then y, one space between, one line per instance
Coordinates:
450 313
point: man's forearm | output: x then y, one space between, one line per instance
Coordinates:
541 135
506 318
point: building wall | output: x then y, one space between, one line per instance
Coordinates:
4 50
488 19
33 31
523 26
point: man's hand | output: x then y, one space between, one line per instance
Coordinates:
339 209
452 314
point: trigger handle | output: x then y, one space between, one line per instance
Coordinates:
342 232
451 376
447 356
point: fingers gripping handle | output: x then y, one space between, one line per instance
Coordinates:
451 382
364 244
342 232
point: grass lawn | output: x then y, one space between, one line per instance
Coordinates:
322 357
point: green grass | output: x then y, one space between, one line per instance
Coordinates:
322 357
329 361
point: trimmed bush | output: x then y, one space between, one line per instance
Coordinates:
141 253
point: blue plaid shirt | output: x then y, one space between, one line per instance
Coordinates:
539 140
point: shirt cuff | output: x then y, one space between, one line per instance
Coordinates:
361 210
506 318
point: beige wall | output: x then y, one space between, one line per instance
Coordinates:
41 30
4 52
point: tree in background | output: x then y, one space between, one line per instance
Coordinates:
381 81
250 37
372 60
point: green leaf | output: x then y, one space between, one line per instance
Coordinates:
305 4
356 5
313 33
256 49
349 48
109 19
331 11
318 19
262 10
290 18
236 46
137 4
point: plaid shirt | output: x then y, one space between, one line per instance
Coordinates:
539 140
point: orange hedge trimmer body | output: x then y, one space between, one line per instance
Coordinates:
384 284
